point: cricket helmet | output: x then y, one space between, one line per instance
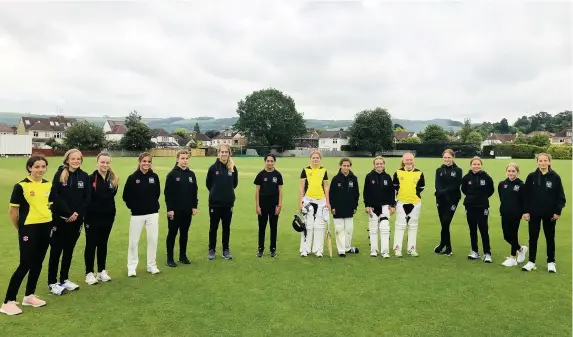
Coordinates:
298 224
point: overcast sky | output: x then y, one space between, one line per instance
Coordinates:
420 60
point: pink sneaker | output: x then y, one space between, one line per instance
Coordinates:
33 301
10 308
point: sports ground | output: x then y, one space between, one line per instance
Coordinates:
431 295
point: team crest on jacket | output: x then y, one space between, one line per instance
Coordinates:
482 182
374 182
453 173
385 182
151 180
339 185
32 193
351 184
516 188
110 185
80 184
549 184
264 179
137 181
217 172
505 186
177 179
230 173
469 182
65 183
191 179
275 180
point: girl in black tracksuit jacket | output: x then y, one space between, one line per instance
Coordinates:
344 194
71 187
478 186
510 193
448 181
544 199
222 179
181 199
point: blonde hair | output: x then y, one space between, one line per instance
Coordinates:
113 178
66 171
543 154
474 159
180 152
143 155
514 165
450 152
402 161
378 158
230 162
313 152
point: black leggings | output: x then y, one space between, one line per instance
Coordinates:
33 241
510 228
97 236
65 235
478 219
446 213
180 223
224 215
268 215
548 230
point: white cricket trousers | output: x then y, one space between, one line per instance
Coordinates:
380 224
136 224
344 228
315 226
411 222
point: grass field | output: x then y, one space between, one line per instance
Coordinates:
430 295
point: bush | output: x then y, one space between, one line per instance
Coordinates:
561 151
518 151
436 150
348 148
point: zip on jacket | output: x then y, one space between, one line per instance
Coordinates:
511 197
344 194
544 194
141 192
379 190
73 195
221 185
477 187
448 181
181 190
102 203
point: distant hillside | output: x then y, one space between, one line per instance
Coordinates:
209 123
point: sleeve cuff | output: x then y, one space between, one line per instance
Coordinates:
14 205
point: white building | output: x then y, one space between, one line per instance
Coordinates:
498 138
333 140
43 128
114 130
162 138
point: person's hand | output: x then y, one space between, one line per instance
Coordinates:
73 217
392 210
368 210
555 217
258 210
170 214
195 211
327 205
526 217
278 210
333 211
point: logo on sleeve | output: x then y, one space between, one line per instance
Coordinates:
151 180
80 184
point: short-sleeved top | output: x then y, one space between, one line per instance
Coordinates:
269 183
33 200
409 185
314 181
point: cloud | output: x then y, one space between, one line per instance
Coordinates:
335 58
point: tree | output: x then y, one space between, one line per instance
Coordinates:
85 136
181 132
268 117
467 128
399 128
503 126
196 128
411 140
522 123
434 134
372 131
138 135
474 138
536 139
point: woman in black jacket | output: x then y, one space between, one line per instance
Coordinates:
344 194
448 195
222 179
100 216
181 201
478 187
71 188
544 199
380 203
511 209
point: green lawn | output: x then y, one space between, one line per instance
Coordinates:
430 295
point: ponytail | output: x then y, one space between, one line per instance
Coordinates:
113 178
66 171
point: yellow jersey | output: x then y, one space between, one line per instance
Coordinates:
314 181
33 199
409 185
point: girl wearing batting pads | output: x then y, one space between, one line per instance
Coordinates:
544 200
344 195
511 208
448 195
380 203
409 183
314 203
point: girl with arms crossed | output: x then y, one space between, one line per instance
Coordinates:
100 216
544 199
511 209
31 216
268 201
380 203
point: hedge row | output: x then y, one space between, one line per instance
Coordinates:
526 151
560 152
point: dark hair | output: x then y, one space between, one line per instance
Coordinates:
272 156
344 160
33 159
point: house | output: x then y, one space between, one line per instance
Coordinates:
333 140
114 130
562 138
203 138
399 136
7 130
162 138
310 140
498 138
43 128
545 133
229 137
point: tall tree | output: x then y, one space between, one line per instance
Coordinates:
268 117
85 136
474 138
138 135
372 131
434 134
467 128
181 132
398 128
522 123
503 126
196 128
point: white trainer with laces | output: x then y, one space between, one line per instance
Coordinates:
551 267
385 255
318 254
397 253
413 252
103 276
303 254
487 258
509 262
56 289
373 253
69 285
91 279
153 270
473 255
521 254
131 273
529 266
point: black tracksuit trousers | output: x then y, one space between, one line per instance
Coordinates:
181 223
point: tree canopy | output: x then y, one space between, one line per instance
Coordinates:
434 134
138 135
85 136
372 130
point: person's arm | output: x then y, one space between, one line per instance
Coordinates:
365 194
16 199
464 186
561 199
209 180
396 182
393 192
235 177
280 190
127 192
61 205
331 198
157 187
526 195
257 184
168 189
420 185
326 188
437 183
356 194
194 192
499 191
87 197
301 187
490 187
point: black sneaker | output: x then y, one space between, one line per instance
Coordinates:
211 255
273 253
353 250
439 248
342 255
171 263
260 253
448 251
184 260
227 254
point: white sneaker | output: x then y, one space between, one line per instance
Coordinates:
103 276
529 266
397 253
551 267
385 255
153 270
303 254
521 254
487 258
131 273
56 289
509 262
70 286
318 254
473 255
91 279
373 253
413 253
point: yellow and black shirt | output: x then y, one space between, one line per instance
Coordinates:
314 181
409 185
33 200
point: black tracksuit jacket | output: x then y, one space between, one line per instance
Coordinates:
71 196
141 192
477 187
181 190
379 190
221 185
102 204
544 194
344 195
511 198
448 181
